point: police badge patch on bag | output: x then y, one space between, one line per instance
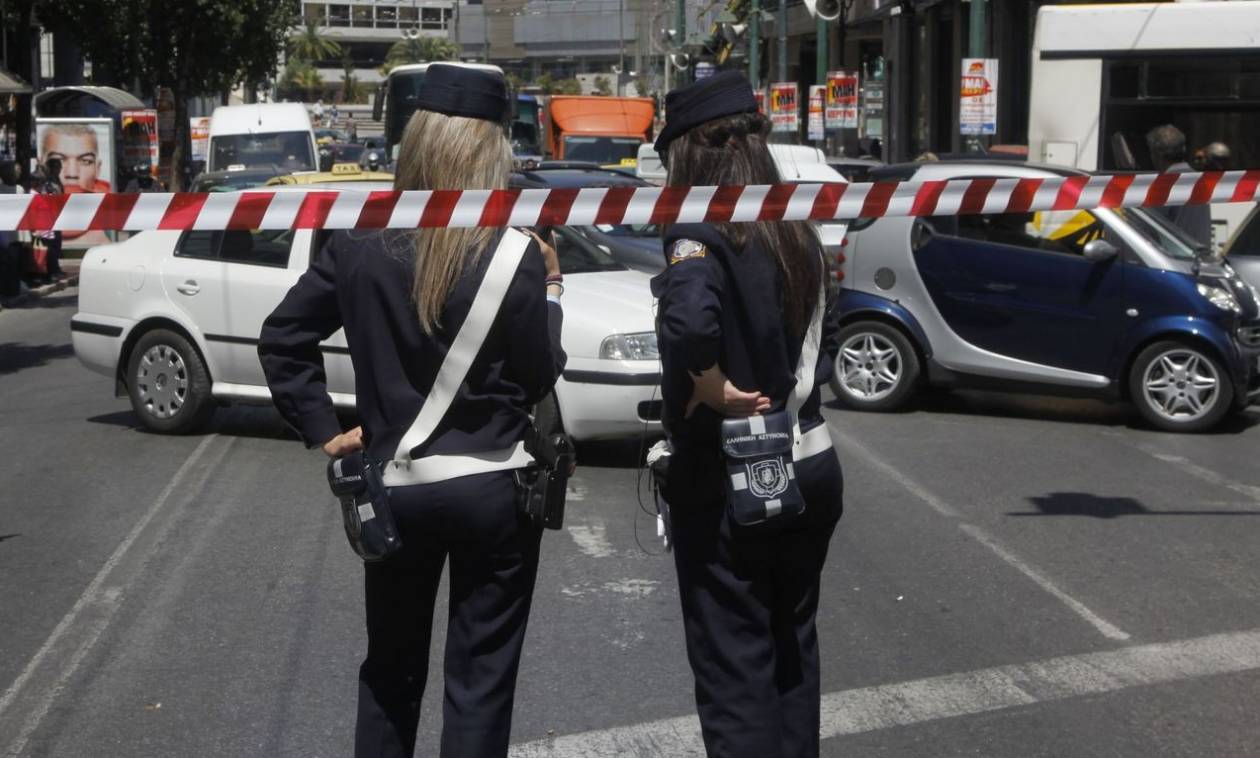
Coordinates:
761 482
684 250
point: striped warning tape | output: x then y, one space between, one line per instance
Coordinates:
331 209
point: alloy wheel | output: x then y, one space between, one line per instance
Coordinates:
1181 385
871 366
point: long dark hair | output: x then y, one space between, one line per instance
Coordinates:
732 150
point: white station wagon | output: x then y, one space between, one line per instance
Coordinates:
173 318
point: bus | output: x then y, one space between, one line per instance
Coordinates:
396 99
1104 75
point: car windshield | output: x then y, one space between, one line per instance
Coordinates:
290 151
1161 233
578 255
230 182
630 230
601 150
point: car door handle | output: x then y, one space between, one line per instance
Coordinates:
189 287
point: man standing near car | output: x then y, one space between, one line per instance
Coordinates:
1167 144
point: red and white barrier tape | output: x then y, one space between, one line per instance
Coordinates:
331 209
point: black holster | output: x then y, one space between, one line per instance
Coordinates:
365 509
542 488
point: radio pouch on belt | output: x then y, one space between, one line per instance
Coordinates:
761 481
365 510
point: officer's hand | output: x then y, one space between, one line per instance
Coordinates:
713 389
550 259
344 443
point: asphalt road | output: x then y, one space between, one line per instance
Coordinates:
1013 577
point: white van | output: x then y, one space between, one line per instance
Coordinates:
273 135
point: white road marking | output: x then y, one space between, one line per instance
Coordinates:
1199 472
1106 628
100 602
591 540
886 706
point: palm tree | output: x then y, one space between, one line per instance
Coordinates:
303 77
311 46
420 50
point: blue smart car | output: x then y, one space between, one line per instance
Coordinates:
1115 304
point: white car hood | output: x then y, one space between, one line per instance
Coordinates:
598 305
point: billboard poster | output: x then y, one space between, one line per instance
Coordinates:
760 95
817 94
784 109
140 139
978 111
199 128
841 109
85 149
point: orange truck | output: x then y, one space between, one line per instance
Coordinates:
603 130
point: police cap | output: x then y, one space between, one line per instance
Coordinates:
723 94
467 92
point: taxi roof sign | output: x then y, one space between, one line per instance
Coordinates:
341 169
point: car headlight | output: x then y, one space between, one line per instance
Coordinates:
640 346
1220 297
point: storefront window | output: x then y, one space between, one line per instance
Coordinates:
432 18
386 18
339 15
362 15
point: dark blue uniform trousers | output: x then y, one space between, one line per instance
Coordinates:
749 604
493 555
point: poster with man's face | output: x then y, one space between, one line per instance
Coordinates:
85 149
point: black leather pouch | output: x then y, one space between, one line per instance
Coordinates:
761 487
365 510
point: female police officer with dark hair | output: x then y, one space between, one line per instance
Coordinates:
739 305
403 297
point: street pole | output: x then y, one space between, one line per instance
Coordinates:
820 70
621 43
975 44
680 26
754 46
782 24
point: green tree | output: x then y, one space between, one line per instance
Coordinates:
192 47
603 86
640 88
312 46
419 50
568 87
547 83
302 80
349 83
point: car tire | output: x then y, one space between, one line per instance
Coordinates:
547 416
881 365
1180 387
168 383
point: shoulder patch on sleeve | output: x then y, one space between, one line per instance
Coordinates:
685 249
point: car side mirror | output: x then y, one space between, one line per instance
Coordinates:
921 234
1098 251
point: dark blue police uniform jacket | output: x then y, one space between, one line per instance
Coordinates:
362 281
721 305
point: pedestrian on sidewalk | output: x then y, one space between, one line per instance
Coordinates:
746 341
318 111
1167 146
402 298
51 185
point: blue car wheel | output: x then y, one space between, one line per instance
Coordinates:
876 367
1180 387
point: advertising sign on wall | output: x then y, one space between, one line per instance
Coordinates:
760 95
978 111
140 139
85 149
784 107
817 93
841 109
199 129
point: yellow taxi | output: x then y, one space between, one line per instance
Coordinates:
341 172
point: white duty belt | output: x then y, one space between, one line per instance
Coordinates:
818 439
404 470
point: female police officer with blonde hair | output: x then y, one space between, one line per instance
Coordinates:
403 297
754 486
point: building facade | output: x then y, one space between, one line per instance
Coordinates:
366 29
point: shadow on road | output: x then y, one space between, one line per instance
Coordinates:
234 421
1085 504
15 356
4 537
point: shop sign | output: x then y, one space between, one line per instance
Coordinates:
841 110
140 139
817 94
978 111
199 129
784 108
